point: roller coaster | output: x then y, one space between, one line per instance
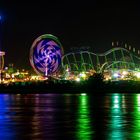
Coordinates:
115 59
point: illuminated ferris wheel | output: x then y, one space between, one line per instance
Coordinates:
46 55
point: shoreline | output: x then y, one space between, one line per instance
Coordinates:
90 88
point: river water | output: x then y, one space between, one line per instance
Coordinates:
70 116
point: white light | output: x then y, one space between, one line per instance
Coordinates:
77 79
116 75
122 76
83 75
6 68
67 70
83 94
138 75
47 56
124 72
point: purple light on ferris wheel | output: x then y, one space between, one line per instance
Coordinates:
46 55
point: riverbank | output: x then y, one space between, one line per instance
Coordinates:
92 87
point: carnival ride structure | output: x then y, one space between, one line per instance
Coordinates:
114 60
46 55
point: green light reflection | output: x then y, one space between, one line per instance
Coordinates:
136 118
83 130
116 122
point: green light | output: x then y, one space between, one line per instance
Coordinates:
138 103
116 120
135 134
83 128
116 101
83 94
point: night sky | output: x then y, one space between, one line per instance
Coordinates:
89 23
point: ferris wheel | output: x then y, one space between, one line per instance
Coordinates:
46 55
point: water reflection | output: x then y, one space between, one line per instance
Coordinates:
136 118
116 125
43 117
7 129
83 118
69 116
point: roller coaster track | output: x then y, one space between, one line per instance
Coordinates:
100 54
131 55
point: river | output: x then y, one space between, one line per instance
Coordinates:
78 116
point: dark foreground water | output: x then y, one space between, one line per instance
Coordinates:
70 116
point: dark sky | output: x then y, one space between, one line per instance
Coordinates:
89 23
